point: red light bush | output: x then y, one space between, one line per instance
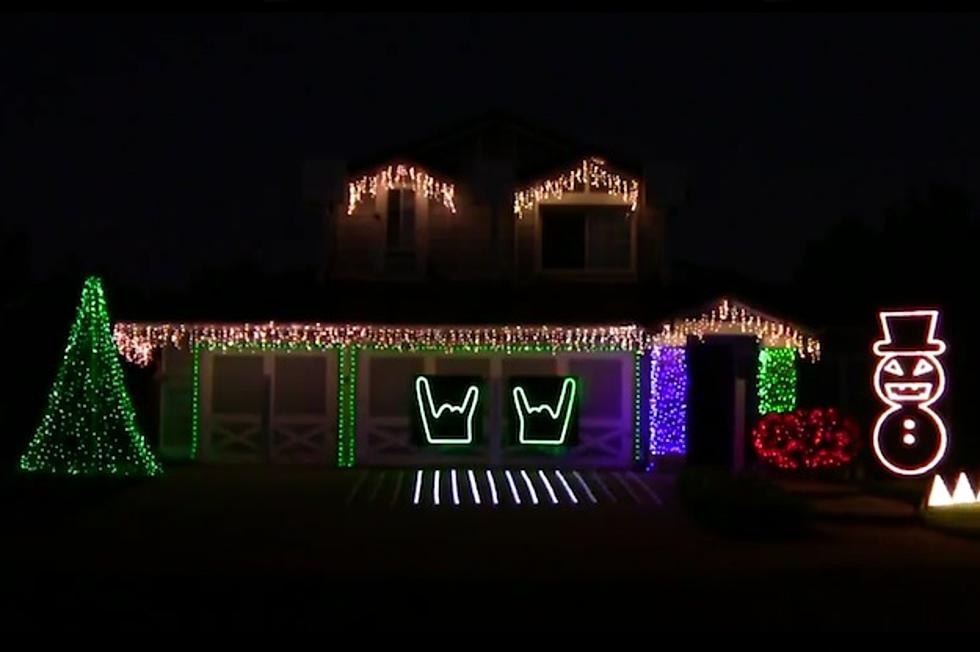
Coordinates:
815 438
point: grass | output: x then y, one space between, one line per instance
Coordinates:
275 547
911 491
742 505
32 497
960 520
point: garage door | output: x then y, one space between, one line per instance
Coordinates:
391 400
268 406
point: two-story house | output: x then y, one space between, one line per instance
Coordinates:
489 294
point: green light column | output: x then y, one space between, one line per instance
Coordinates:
777 379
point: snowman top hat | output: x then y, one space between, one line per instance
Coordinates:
909 332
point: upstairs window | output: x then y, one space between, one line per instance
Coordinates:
400 223
585 237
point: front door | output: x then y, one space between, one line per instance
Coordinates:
721 398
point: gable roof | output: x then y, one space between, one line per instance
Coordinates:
727 316
535 150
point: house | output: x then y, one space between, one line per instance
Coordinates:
493 198
521 267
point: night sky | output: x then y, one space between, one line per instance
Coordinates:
154 144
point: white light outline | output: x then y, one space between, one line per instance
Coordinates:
919 370
435 488
418 487
568 386
473 489
886 357
933 315
920 470
646 489
513 487
897 371
470 401
605 487
585 486
493 487
547 485
452 476
568 489
963 492
625 485
398 489
530 486
939 494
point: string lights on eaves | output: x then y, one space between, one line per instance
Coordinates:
591 175
730 318
89 425
400 176
138 342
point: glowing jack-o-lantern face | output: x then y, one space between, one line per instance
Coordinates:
909 379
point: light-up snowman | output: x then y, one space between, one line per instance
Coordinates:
909 438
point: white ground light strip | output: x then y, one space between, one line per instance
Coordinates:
528 488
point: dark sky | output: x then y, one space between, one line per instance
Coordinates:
153 144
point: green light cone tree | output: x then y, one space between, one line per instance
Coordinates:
89 425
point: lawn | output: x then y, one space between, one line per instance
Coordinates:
242 548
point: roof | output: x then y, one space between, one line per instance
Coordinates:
534 149
727 316
137 341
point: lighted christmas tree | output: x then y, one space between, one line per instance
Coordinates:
89 426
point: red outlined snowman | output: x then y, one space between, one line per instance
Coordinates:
909 438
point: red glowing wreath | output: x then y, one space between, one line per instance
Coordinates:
817 438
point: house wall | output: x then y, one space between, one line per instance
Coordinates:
246 412
176 387
650 402
462 245
484 239
528 230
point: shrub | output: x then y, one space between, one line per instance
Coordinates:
815 438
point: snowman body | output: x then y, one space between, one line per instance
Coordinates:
909 438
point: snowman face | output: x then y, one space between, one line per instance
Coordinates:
909 379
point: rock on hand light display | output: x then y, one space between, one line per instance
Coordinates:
909 438
89 425
558 413
431 417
